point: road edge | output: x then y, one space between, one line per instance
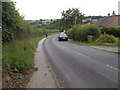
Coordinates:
57 82
42 77
103 49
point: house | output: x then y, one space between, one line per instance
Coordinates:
91 19
109 21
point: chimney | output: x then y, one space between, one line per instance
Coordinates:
108 14
113 14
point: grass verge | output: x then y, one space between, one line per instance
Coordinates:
19 54
17 61
93 43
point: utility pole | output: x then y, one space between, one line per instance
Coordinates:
75 19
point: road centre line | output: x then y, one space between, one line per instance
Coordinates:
89 58
112 67
81 54
77 52
65 47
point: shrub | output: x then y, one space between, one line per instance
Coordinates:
70 33
80 33
106 38
111 31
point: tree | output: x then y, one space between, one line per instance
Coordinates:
11 21
13 24
70 18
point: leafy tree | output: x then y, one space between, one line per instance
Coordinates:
0 13
11 21
14 25
70 18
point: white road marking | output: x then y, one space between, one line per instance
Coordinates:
78 53
112 67
81 54
65 47
89 58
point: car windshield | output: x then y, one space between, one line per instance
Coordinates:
62 35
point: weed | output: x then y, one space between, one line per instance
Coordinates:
19 54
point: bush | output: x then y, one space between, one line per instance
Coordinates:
14 26
106 38
70 33
80 33
111 31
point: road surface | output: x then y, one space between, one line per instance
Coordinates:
80 66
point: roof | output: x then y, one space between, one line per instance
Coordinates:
106 21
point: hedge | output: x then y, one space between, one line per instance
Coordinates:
111 31
80 32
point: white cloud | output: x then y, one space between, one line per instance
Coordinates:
37 9
119 8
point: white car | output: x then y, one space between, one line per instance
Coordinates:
62 36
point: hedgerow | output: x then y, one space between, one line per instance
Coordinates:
111 31
80 32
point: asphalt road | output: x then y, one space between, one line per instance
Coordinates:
80 66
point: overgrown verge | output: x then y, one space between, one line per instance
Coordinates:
18 60
94 43
19 54
107 40
19 41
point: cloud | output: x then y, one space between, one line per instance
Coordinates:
119 8
51 9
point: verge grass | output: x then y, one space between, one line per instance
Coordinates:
18 55
94 43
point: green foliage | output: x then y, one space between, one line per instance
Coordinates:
111 31
94 43
71 17
14 26
107 39
11 21
70 33
80 32
18 47
10 16
19 54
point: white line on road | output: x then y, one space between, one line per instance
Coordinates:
65 47
89 58
78 53
81 54
112 67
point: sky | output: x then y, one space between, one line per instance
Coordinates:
51 9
